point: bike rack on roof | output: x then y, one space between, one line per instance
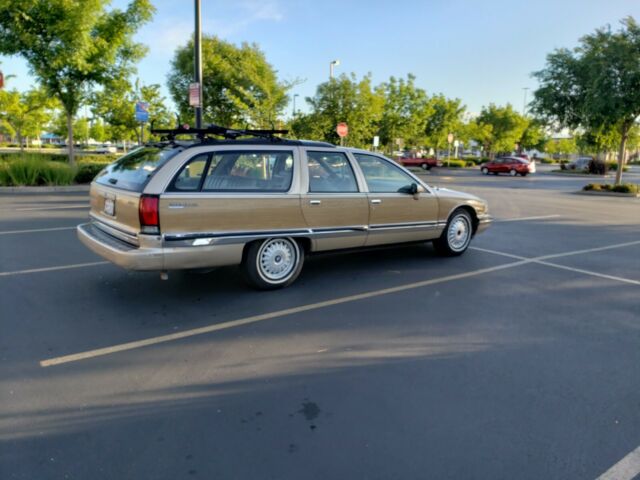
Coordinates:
218 131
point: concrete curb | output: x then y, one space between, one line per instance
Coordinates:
52 189
607 194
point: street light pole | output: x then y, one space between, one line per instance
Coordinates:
334 63
524 102
197 51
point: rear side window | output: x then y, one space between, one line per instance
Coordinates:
190 177
330 172
133 171
249 171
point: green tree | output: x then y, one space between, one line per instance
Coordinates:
98 131
24 114
72 45
446 118
561 146
342 99
81 129
533 137
405 112
595 86
240 87
499 129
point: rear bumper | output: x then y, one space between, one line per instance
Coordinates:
119 252
484 222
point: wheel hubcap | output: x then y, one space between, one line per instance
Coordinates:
277 259
459 233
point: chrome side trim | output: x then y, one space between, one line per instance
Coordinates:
227 238
403 226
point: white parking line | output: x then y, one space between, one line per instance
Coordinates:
37 230
267 316
625 469
51 269
523 219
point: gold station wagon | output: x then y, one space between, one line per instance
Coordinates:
264 203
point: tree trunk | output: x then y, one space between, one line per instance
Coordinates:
19 135
621 153
70 147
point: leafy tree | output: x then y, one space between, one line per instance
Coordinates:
446 118
24 114
72 45
595 86
116 105
342 99
405 112
81 129
533 137
240 87
498 129
561 146
98 132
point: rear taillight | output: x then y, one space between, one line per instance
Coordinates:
149 216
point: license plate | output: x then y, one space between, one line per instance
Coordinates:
110 207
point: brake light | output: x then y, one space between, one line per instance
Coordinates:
149 216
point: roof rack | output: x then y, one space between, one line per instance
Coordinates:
218 131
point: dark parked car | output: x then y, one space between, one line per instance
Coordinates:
511 165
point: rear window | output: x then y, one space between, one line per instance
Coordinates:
133 171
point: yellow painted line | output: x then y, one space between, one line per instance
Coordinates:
61 207
37 230
626 469
268 316
51 269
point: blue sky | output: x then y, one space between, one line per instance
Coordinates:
478 51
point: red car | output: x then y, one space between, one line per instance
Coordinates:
424 163
511 165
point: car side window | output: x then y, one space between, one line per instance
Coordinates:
330 172
190 177
250 171
381 176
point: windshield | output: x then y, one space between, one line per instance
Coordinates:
133 171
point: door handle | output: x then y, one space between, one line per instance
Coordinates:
376 201
314 202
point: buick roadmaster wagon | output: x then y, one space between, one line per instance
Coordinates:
264 203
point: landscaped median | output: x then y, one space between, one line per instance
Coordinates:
622 190
35 169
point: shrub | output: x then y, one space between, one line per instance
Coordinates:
56 173
454 163
545 160
592 187
470 164
5 179
24 172
625 188
87 172
613 166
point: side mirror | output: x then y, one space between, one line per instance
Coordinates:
413 189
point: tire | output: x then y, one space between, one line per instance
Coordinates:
272 263
456 236
484 170
425 166
512 172
524 174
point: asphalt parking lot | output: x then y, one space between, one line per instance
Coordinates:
519 359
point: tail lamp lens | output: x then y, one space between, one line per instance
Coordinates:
149 217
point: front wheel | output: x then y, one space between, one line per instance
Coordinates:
456 236
425 166
272 263
513 173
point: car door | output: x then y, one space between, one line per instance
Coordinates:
234 191
333 202
395 215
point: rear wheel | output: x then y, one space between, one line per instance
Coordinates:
456 236
425 166
524 174
512 172
484 170
272 263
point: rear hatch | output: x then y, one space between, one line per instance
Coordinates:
116 191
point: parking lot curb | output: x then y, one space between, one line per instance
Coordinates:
607 194
52 189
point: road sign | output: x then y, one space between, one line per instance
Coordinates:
142 112
376 141
450 138
342 129
456 143
194 95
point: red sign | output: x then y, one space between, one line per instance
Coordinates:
342 130
194 95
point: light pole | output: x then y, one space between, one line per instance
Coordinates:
524 102
294 105
334 63
197 53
